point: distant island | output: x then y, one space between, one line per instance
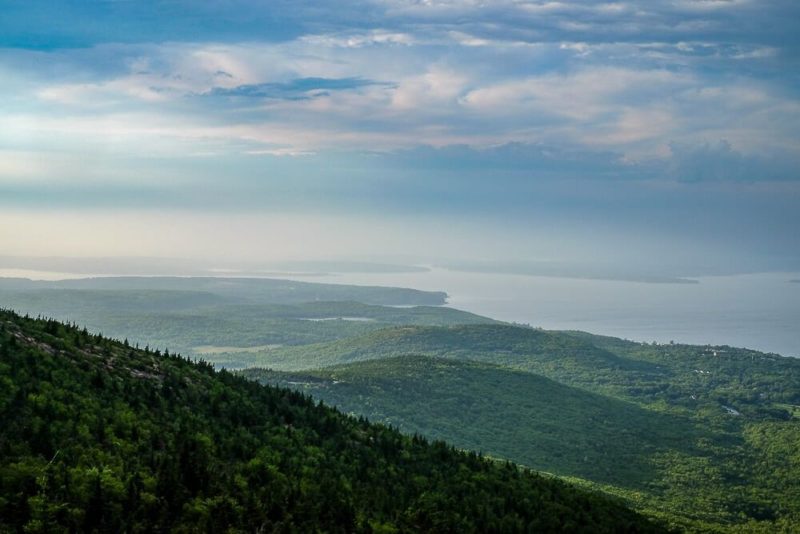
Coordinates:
236 289
560 269
136 266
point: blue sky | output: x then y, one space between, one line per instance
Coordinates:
505 129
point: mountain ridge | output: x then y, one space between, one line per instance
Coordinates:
694 421
99 436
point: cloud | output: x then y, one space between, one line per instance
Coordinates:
718 161
523 91
512 161
358 39
299 88
251 98
583 95
658 121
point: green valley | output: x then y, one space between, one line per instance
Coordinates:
683 432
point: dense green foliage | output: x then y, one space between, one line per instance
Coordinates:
98 436
699 434
543 424
705 377
512 346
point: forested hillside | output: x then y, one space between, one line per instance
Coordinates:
505 344
697 435
539 422
96 436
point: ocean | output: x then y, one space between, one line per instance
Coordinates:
758 311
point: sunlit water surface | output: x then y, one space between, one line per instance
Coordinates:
759 311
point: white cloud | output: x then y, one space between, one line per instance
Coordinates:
358 40
710 5
585 95
438 83
439 86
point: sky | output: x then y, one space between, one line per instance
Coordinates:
661 135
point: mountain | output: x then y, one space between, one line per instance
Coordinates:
699 435
96 436
676 375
